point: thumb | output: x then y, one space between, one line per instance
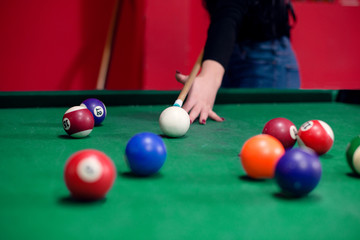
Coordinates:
181 78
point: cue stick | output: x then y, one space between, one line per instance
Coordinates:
181 98
105 61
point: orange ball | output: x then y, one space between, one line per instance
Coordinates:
260 154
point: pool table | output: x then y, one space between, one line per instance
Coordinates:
201 192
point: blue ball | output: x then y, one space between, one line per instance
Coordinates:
97 108
298 172
145 153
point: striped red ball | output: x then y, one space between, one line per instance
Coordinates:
317 135
78 122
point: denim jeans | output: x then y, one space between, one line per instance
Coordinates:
269 64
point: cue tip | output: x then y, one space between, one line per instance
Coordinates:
178 103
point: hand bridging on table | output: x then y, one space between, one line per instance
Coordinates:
201 97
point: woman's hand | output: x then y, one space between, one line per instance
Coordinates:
201 97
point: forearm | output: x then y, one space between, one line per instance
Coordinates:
213 72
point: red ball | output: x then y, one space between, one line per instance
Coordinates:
78 122
317 135
89 174
282 129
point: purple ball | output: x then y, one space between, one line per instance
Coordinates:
298 172
97 108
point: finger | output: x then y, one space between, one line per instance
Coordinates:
203 116
188 105
215 117
181 78
195 112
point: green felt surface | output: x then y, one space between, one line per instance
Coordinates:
200 193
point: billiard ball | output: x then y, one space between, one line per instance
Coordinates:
89 174
298 172
145 154
259 156
174 121
282 129
317 135
78 122
97 108
353 154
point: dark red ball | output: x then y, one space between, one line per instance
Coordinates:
282 129
78 122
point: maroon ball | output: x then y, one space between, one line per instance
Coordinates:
282 129
78 122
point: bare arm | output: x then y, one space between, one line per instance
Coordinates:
201 98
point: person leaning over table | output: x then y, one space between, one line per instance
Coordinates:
247 46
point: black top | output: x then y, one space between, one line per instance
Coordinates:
233 21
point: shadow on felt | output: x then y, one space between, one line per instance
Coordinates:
131 175
69 200
353 175
246 178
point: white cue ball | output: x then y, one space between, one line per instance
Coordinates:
174 121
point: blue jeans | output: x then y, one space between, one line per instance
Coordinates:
270 64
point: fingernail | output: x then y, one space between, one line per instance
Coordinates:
223 119
177 71
191 121
203 122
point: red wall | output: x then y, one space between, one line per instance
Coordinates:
51 45
154 39
327 42
57 45
126 70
